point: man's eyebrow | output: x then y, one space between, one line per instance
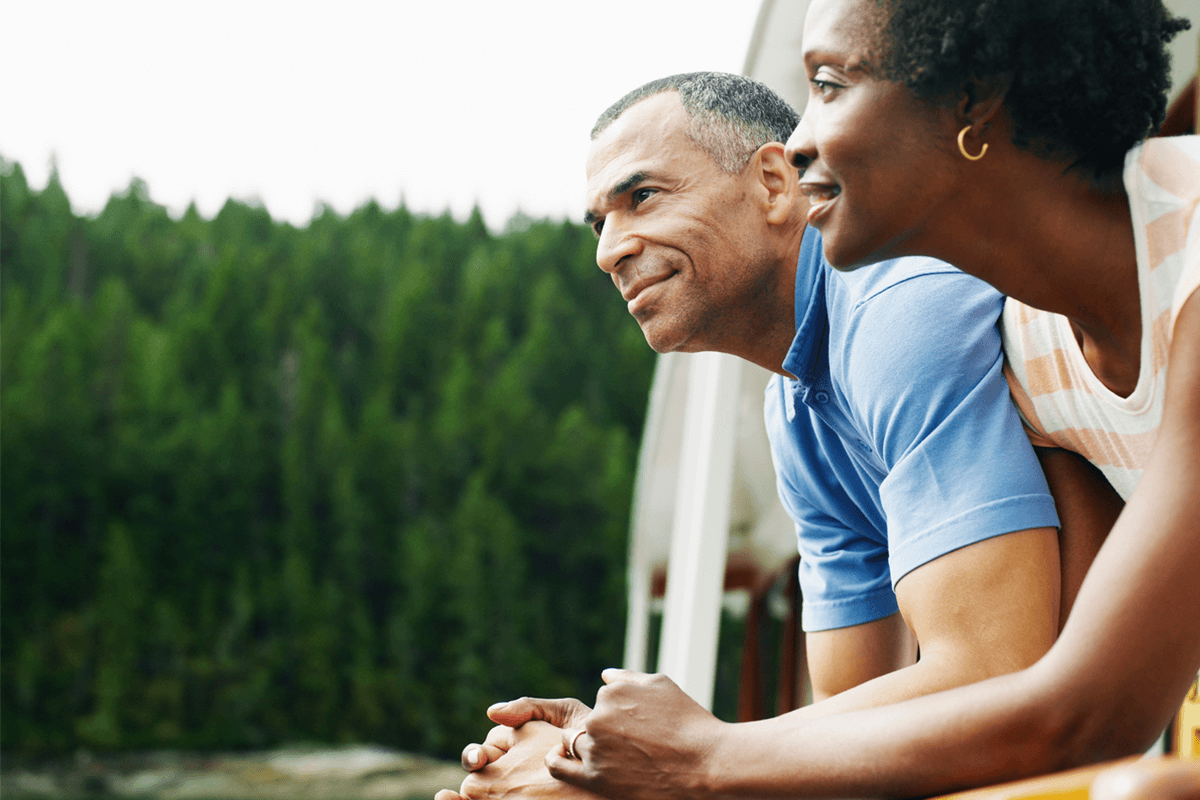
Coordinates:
627 184
618 190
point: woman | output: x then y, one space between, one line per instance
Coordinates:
1003 136
1006 138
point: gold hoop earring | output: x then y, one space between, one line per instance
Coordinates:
962 148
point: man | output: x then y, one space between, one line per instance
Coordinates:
918 501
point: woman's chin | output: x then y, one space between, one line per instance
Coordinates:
844 259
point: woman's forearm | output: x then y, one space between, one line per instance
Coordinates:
1106 689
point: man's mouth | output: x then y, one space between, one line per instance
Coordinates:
635 294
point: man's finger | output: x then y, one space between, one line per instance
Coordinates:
500 737
498 742
617 675
478 756
558 712
473 757
448 794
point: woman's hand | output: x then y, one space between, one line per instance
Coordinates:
644 739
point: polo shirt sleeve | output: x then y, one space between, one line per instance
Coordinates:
935 406
844 576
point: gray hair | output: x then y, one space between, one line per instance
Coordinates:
731 116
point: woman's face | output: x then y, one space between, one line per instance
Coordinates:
880 163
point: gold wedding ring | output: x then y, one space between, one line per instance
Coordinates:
571 744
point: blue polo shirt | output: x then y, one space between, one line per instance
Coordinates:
897 441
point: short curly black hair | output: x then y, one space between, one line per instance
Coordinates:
1088 78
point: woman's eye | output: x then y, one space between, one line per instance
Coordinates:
822 86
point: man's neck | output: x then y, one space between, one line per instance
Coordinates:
768 337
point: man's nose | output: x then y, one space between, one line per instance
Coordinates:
616 242
801 147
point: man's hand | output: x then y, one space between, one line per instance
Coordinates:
477 756
645 739
561 713
498 742
519 771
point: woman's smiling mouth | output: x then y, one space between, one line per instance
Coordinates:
820 195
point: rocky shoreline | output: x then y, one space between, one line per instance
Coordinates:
308 773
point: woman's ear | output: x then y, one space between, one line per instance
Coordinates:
980 101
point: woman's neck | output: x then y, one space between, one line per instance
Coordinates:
1060 243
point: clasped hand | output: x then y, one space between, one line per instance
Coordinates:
644 739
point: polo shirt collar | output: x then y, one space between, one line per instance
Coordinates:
812 315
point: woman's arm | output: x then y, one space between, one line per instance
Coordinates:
1088 508
1108 686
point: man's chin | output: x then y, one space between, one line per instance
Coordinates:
671 333
663 345
660 341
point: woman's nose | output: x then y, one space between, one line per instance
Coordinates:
800 149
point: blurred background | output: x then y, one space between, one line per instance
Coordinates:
318 421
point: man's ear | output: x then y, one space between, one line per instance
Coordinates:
980 101
779 180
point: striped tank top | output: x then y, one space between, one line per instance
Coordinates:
1062 402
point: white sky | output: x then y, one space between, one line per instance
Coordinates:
445 103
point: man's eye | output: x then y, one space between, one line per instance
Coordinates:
597 227
640 195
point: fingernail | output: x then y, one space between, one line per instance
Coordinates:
496 706
474 755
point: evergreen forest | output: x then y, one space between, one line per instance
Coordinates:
346 482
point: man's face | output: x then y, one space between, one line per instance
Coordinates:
681 238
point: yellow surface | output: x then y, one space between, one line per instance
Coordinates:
1075 784
1071 785
1133 778
1187 729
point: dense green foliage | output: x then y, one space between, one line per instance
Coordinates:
352 481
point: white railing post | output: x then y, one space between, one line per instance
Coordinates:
700 533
